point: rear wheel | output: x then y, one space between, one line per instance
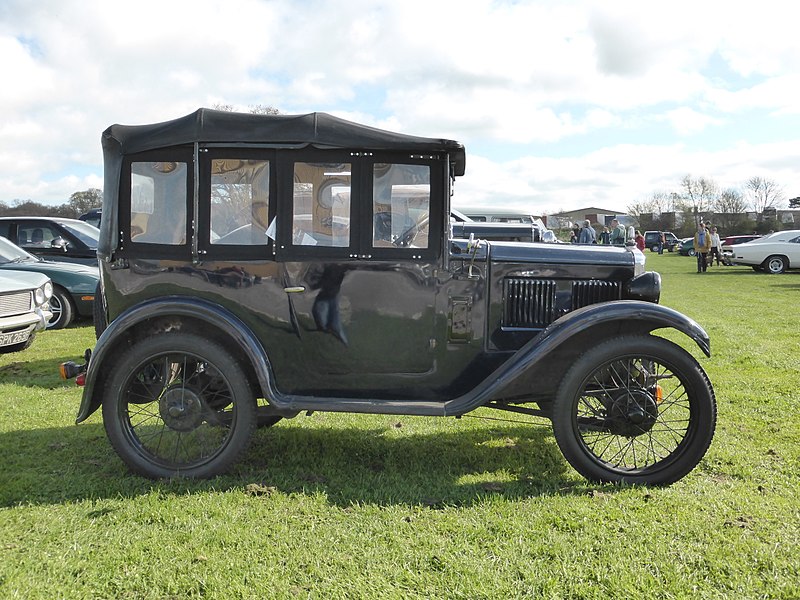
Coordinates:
635 409
178 405
775 265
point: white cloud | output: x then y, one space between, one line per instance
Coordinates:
588 80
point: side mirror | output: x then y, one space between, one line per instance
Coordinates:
59 242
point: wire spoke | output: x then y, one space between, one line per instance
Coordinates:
621 421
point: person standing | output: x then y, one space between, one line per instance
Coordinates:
716 248
605 236
702 244
588 234
617 237
639 239
662 241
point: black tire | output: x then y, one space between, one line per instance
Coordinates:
758 268
775 265
653 248
61 306
692 252
178 405
99 311
635 409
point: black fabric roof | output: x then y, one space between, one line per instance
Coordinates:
319 130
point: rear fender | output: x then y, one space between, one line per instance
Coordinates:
108 345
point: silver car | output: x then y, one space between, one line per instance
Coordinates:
24 308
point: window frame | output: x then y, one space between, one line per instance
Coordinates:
438 168
286 250
129 248
205 249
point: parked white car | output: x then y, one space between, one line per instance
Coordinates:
24 308
774 253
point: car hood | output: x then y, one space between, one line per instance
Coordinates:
520 252
13 281
51 268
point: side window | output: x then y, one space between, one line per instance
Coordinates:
36 235
401 198
239 201
321 205
158 202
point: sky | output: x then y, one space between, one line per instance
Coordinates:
560 104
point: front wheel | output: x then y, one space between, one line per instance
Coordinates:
178 405
635 409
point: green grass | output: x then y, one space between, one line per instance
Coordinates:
349 506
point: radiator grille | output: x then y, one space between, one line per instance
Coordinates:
593 291
535 303
529 302
15 304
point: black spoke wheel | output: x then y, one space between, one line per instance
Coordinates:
635 409
178 405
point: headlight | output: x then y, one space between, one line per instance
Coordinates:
43 294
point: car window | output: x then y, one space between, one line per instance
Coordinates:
85 232
321 205
158 202
401 198
239 201
37 234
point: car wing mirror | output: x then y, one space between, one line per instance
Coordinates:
59 242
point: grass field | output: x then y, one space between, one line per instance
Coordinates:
347 506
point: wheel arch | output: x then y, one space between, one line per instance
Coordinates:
542 362
167 314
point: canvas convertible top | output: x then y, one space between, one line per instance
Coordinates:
318 130
207 126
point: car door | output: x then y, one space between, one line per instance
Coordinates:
358 266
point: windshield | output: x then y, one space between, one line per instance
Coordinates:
12 253
88 234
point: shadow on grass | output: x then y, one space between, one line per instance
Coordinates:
384 466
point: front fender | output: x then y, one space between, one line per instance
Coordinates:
633 315
199 310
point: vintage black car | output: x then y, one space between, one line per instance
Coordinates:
255 267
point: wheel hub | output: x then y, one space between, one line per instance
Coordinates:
632 413
181 408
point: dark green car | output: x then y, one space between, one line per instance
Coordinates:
686 247
74 284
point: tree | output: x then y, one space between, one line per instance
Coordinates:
81 202
255 109
764 194
699 194
730 211
794 203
